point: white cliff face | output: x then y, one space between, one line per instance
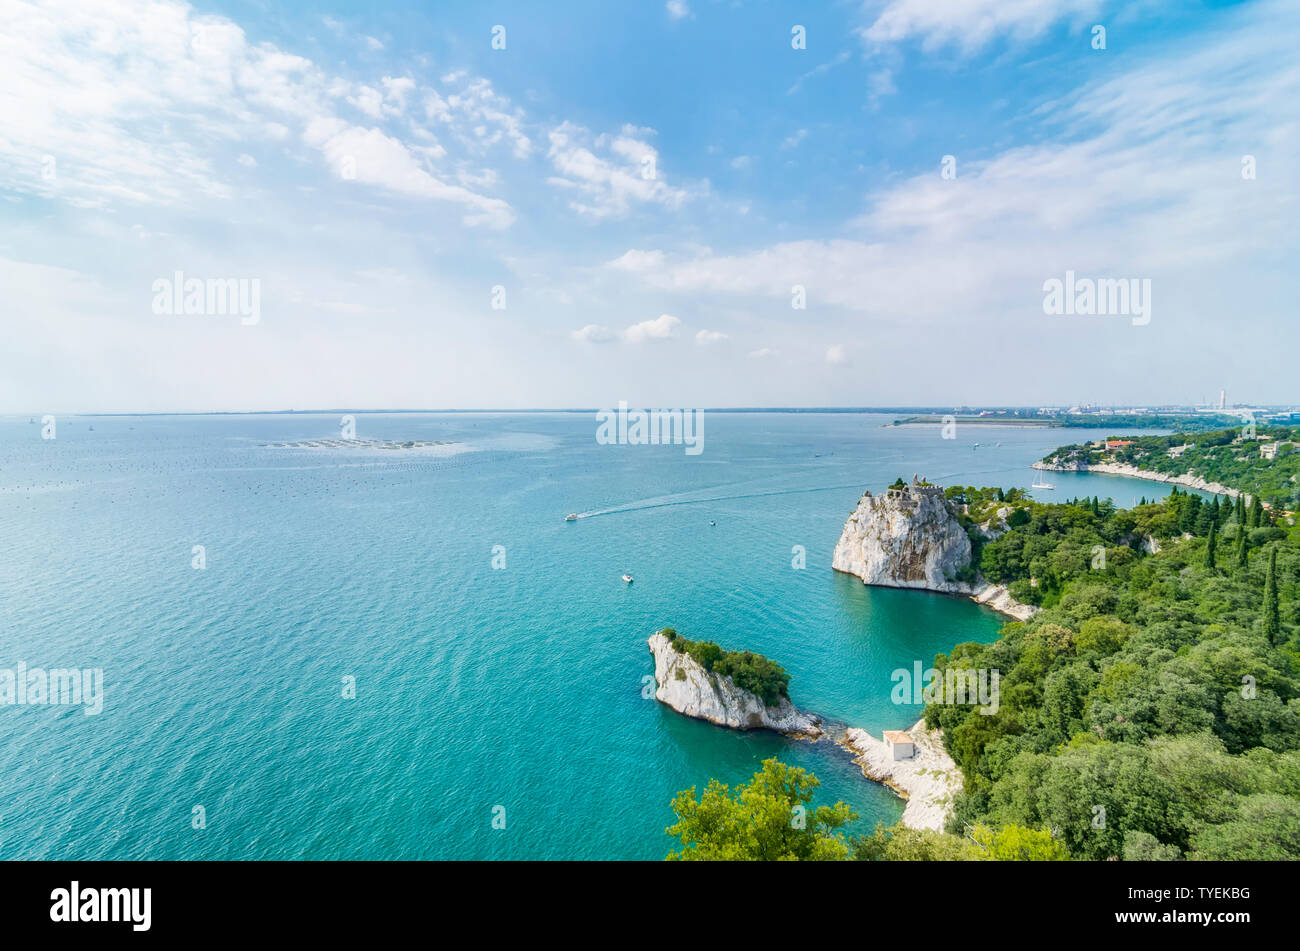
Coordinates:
911 538
904 540
690 689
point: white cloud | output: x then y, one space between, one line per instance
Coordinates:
879 84
478 115
741 162
129 98
705 337
370 157
608 187
678 10
792 141
637 261
594 333
819 70
835 355
970 25
663 327
247 161
762 352
1137 174
369 100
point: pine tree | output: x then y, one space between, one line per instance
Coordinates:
1142 501
1241 509
1256 513
1211 544
1243 551
1272 622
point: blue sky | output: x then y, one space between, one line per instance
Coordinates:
647 183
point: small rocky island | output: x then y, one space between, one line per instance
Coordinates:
911 537
737 689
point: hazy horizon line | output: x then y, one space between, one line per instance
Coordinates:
912 408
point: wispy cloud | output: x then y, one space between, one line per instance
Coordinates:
128 118
609 185
969 25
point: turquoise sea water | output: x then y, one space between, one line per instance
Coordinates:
476 687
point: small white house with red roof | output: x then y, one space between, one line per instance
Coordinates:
900 744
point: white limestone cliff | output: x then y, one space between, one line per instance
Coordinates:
691 690
910 538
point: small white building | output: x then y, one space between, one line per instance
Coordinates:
900 744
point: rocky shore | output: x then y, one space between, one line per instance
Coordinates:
928 780
1133 472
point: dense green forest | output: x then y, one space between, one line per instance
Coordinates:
1150 710
1230 457
747 670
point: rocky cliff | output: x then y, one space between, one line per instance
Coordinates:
690 689
910 538
906 538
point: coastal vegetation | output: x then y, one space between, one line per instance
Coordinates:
768 819
1185 422
1149 711
747 670
1263 462
1152 709
771 818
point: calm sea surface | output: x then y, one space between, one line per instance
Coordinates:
477 687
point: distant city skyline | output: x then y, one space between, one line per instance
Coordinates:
693 204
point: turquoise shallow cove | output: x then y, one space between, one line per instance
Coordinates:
476 687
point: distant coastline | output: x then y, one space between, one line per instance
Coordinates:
1133 472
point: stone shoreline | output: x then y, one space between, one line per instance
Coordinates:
927 781
1133 472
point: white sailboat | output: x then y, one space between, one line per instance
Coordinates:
1041 483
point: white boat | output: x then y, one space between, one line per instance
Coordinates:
1040 484
627 578
571 517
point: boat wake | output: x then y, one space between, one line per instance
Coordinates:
668 501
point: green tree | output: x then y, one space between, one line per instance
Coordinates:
1211 544
769 820
1272 621
1014 843
1243 546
